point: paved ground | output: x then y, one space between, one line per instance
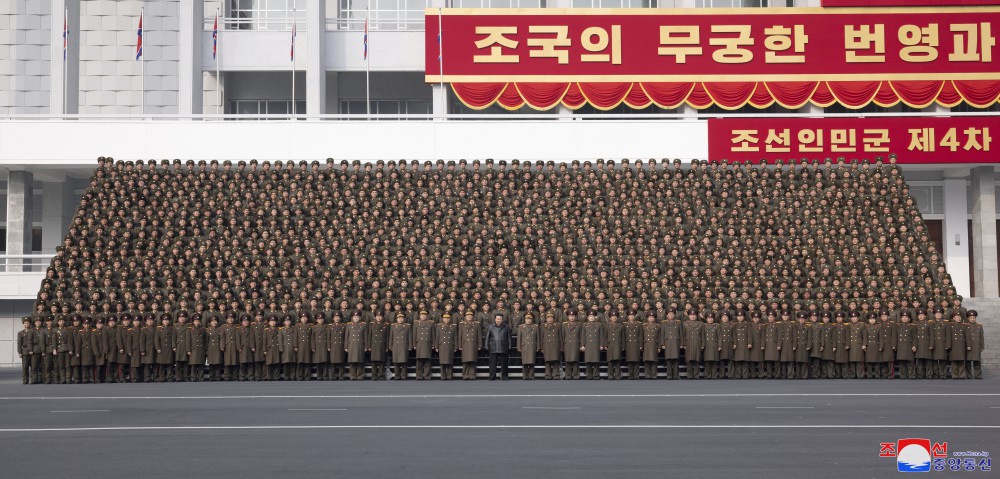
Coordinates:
581 429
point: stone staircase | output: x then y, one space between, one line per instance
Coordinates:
989 316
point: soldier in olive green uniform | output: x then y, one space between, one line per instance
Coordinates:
772 346
303 348
571 347
197 349
213 335
319 346
905 346
337 347
99 345
25 349
856 344
632 332
61 347
273 347
957 345
245 346
712 344
742 346
924 344
230 356
614 344
182 348
940 332
85 352
693 344
400 343
592 343
356 343
423 343
670 342
48 358
888 357
551 345
874 342
975 344
650 346
289 345
446 344
787 328
802 346
726 343
816 369
378 345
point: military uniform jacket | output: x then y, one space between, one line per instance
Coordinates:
528 342
827 333
904 341
112 336
41 339
25 342
245 344
757 351
975 341
803 342
651 341
423 338
61 341
772 340
85 347
356 340
446 342
378 340
957 342
338 353
787 341
614 340
888 341
632 332
133 346
214 339
842 342
856 337
592 340
670 338
182 344
742 338
712 341
874 341
230 356
922 339
693 339
320 343
817 335
551 339
73 333
288 344
99 343
571 334
726 341
197 345
258 338
273 346
303 341
940 333
400 342
164 340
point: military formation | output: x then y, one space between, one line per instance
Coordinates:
246 271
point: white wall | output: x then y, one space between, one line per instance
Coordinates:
11 313
80 142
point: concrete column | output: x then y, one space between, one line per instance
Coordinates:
955 234
439 97
332 93
18 215
315 65
58 206
70 70
984 227
190 94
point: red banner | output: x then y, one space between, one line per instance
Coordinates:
913 139
905 3
710 45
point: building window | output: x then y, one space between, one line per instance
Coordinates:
740 3
384 15
497 3
266 15
614 3
266 107
387 107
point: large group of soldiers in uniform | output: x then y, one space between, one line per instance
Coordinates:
265 271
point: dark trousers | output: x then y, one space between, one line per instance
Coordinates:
906 370
357 371
802 370
196 372
975 370
182 371
958 369
26 369
571 370
593 370
614 369
527 371
337 371
815 368
62 368
259 371
47 370
469 370
498 360
742 369
378 370
649 369
423 368
633 370
551 369
693 369
711 370
322 371
399 371
447 372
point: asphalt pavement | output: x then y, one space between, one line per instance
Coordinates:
551 429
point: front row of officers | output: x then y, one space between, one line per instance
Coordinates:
723 345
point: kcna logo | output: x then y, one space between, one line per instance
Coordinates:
913 455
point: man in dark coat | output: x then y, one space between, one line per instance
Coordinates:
497 343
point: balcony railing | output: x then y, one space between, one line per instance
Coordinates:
24 263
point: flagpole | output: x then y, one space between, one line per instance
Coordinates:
218 54
142 63
65 90
293 61
368 99
444 93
